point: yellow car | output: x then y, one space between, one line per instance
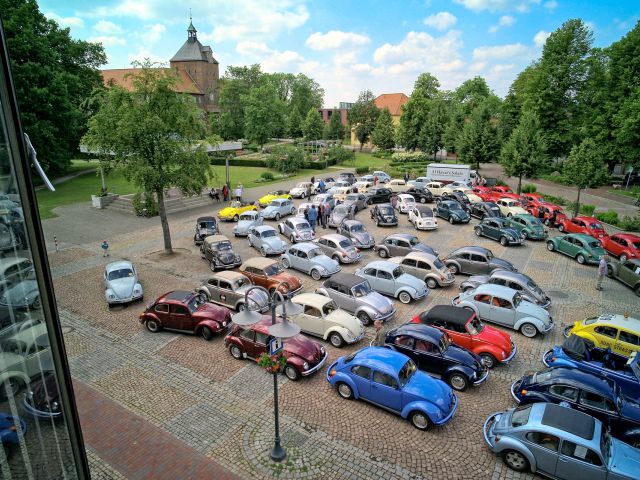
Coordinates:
266 199
234 210
620 333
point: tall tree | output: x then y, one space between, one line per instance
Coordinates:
426 86
294 124
263 114
53 75
584 168
336 129
236 85
431 136
383 136
524 154
155 136
478 142
363 116
313 125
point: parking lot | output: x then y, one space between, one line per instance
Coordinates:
222 407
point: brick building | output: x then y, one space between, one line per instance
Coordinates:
392 101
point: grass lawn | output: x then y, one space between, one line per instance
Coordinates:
633 192
367 160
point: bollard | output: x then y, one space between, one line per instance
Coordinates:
55 241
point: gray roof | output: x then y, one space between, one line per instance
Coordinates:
191 50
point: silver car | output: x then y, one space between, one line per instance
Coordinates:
324 199
390 279
357 233
229 288
518 281
280 207
121 284
297 229
246 222
357 200
475 260
309 258
24 294
427 267
400 244
354 294
339 214
265 239
339 248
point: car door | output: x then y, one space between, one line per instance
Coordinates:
567 246
606 336
410 265
403 247
384 282
226 294
303 261
361 377
502 311
161 310
492 229
259 278
212 288
578 461
343 297
310 320
428 358
180 317
544 447
247 337
477 264
627 273
482 302
627 342
385 391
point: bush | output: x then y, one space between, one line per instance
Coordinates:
339 154
286 159
409 157
630 224
500 182
362 170
610 217
529 188
144 205
584 209
556 200
267 176
382 154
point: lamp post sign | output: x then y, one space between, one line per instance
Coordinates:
275 346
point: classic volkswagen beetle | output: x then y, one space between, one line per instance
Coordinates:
265 239
392 380
390 279
399 244
583 248
268 273
309 258
42 398
405 203
451 211
620 333
354 294
427 267
324 199
297 229
339 214
588 225
246 222
473 260
357 201
121 284
234 210
205 226
483 210
229 288
420 194
423 218
355 231
510 207
279 207
302 190
322 317
457 196
528 226
378 195
627 272
218 251
339 248
498 229
518 281
22 295
505 306
622 245
269 197
384 215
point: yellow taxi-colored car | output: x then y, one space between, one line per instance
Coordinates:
266 199
234 210
620 333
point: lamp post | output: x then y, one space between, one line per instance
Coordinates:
282 330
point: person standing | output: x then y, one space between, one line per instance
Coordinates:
225 192
602 271
375 180
321 217
105 248
394 200
406 176
313 179
313 217
321 185
326 211
238 193
378 340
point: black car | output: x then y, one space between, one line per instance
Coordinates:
485 209
459 197
432 351
348 177
378 195
422 195
452 211
593 394
43 397
205 226
384 215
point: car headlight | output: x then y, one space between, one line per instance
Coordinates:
112 295
322 350
55 406
504 355
238 258
305 365
137 290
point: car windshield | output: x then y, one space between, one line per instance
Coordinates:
274 203
222 246
207 224
195 302
246 216
329 307
455 206
517 298
120 273
445 341
414 241
407 371
596 226
241 282
397 272
361 289
636 245
438 264
316 252
268 233
345 243
426 213
520 415
595 244
303 226
357 228
475 326
273 269
386 210
494 209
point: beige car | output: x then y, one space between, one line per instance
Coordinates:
340 193
362 186
322 318
510 207
426 267
473 198
397 185
438 188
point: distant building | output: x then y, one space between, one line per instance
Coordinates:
197 69
392 101
346 105
327 112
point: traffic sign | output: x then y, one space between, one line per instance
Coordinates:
275 346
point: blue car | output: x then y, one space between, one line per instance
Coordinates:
580 353
392 381
12 429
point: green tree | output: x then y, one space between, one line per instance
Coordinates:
53 75
294 124
286 158
235 87
524 154
363 116
263 114
431 136
336 129
313 125
426 85
584 168
383 136
478 142
155 136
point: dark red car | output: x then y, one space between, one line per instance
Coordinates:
186 312
622 245
304 356
484 193
466 330
501 189
587 225
548 213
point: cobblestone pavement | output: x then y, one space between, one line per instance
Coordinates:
222 408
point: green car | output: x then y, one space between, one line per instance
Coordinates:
529 226
583 248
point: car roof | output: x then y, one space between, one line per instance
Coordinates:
313 299
627 236
500 220
381 358
117 265
418 255
352 222
215 239
206 219
304 246
508 274
472 249
349 280
8 261
178 295
262 228
617 320
419 330
508 199
423 208
228 275
586 219
259 262
493 289
386 205
582 379
299 219
404 236
382 265
336 237
33 333
250 212
449 202
566 420
447 313
581 236
406 195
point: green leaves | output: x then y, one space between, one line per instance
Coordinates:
313 125
383 135
585 167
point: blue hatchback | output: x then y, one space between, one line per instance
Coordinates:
392 381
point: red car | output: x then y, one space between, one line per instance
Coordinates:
534 198
587 225
622 245
549 213
304 356
186 312
484 193
501 189
466 330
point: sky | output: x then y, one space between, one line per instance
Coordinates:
346 45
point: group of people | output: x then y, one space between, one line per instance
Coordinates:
319 215
479 180
214 194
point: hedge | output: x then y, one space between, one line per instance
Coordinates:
410 157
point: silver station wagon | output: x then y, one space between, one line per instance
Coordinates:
518 281
228 288
390 279
309 258
296 229
426 267
354 294
265 239
357 233
339 248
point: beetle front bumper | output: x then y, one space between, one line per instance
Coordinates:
514 350
482 379
317 367
487 429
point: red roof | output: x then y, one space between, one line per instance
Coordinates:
124 78
393 101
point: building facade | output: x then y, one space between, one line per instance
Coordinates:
392 101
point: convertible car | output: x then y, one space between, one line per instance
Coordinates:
234 210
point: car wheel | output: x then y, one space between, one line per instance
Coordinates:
277 217
458 382
345 391
212 266
431 283
292 372
152 326
206 333
336 340
292 239
236 218
453 268
249 240
263 252
36 304
637 290
404 297
420 420
369 202
550 246
364 318
623 258
478 232
423 199
580 259
383 253
488 360
205 295
515 460
235 352
10 386
561 227
509 215
241 307
451 220
525 234
503 241
285 263
528 330
336 257
315 274
609 271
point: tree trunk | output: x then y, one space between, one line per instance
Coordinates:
575 213
519 184
104 181
166 234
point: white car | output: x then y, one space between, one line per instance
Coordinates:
362 186
405 203
419 182
510 207
340 193
383 177
302 207
473 198
336 185
423 218
325 199
397 185
438 188
302 190
121 283
322 317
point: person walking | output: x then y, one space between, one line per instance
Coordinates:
105 248
406 176
321 217
326 211
313 217
238 193
321 185
306 214
225 192
378 340
602 271
375 180
394 200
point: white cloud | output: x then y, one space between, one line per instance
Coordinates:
65 21
143 54
498 5
274 60
153 33
107 28
540 38
144 9
108 40
550 4
252 48
335 39
501 69
506 21
420 48
440 20
501 52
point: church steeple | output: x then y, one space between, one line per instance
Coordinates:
191 30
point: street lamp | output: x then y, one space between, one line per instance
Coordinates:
283 330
